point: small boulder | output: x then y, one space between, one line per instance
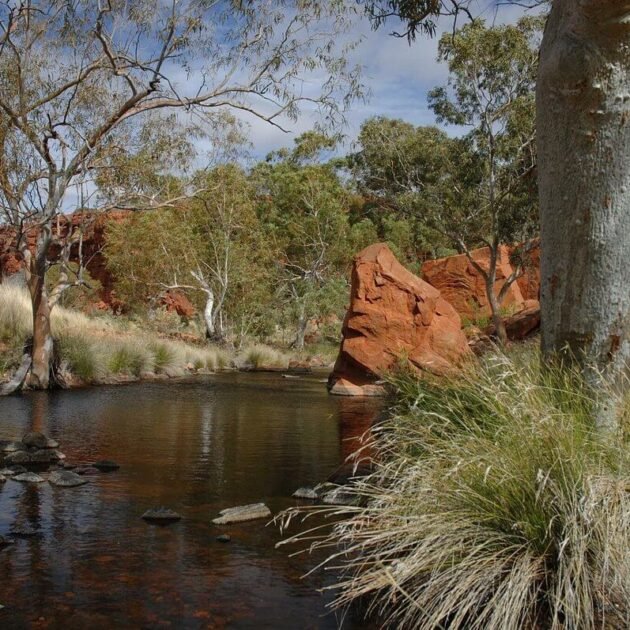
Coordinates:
106 465
66 479
86 470
12 447
242 513
15 469
306 493
50 443
8 472
223 538
36 439
44 456
18 457
340 496
2 478
161 515
29 477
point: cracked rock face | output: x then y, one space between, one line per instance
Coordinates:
394 316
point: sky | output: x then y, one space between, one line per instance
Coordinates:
397 75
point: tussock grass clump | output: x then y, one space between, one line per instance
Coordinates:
97 348
494 505
261 356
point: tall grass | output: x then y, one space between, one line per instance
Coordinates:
494 505
97 349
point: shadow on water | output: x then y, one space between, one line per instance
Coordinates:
196 447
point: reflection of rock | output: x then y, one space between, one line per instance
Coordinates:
161 515
394 316
66 479
242 513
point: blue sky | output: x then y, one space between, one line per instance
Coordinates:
398 76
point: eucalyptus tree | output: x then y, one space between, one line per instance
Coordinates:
303 204
583 121
77 74
490 91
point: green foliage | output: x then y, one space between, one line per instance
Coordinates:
80 356
128 359
494 504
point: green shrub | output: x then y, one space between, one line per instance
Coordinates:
163 357
128 359
493 505
80 357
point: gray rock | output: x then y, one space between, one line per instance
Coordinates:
2 478
224 538
66 479
8 472
29 477
36 439
44 456
86 470
242 513
306 493
16 469
106 465
59 454
161 515
339 496
18 457
50 443
12 447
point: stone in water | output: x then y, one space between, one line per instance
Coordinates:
29 477
306 493
161 515
242 513
106 465
66 479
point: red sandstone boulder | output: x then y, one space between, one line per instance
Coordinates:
393 315
464 287
176 302
529 282
522 324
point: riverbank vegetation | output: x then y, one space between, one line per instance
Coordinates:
103 349
494 504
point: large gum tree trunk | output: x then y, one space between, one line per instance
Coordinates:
583 130
43 346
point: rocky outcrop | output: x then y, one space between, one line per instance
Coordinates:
529 282
175 301
464 287
522 324
393 316
93 226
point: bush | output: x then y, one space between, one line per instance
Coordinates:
80 357
260 356
493 505
129 358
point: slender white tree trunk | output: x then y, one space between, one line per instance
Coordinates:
583 130
208 315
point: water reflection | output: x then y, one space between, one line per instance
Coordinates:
196 447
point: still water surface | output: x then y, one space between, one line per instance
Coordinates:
196 447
